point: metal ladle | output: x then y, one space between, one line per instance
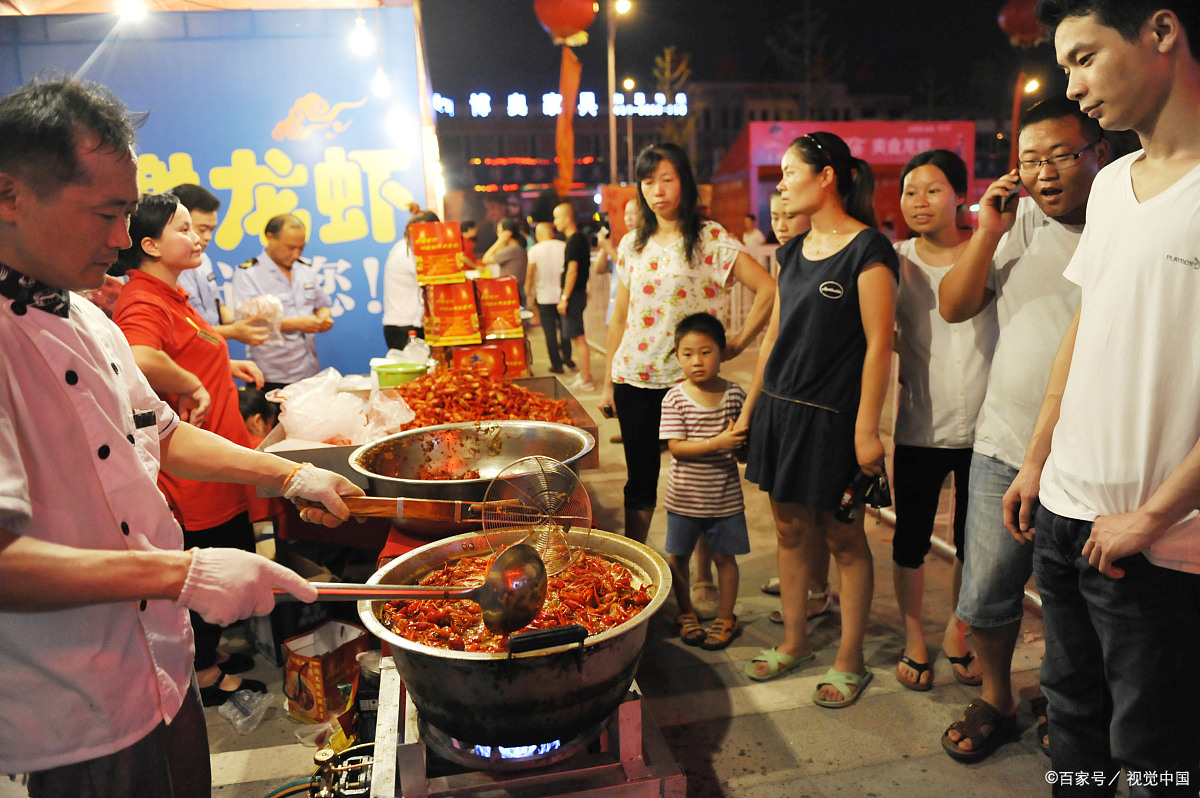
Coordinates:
510 597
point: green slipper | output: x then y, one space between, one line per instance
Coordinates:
778 664
843 681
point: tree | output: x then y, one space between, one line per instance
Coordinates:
671 73
803 50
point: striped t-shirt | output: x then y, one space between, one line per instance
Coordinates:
709 486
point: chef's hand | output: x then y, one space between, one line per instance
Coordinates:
324 488
227 585
247 371
193 407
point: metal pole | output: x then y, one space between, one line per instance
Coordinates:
629 146
611 9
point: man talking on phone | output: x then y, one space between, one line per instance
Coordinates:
1015 258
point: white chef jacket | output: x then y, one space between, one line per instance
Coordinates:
76 469
303 295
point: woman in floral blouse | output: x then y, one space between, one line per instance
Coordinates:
676 264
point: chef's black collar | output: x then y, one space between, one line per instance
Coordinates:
27 291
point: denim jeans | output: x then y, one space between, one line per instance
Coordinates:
1122 665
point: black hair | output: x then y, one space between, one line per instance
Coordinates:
253 400
514 227
1126 17
1059 107
277 223
950 164
467 226
855 182
154 212
752 217
43 122
196 198
689 197
703 323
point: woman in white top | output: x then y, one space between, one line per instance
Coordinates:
675 264
943 375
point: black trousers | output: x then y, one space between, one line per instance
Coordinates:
236 533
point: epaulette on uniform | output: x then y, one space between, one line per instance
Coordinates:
247 263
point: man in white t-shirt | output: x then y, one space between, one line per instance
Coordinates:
1115 455
751 235
1016 257
543 286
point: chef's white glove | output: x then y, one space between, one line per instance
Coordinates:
226 585
324 488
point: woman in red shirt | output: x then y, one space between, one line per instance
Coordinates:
187 362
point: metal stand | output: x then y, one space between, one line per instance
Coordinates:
633 760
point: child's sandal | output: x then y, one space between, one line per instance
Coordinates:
690 630
720 634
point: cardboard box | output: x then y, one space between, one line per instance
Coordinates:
332 458
499 307
516 357
484 359
451 317
437 248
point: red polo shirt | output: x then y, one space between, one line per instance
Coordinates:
152 313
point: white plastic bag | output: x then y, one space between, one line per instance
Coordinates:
415 351
245 710
264 310
387 412
315 410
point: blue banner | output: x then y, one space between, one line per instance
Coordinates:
272 112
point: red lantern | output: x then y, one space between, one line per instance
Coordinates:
1019 20
566 20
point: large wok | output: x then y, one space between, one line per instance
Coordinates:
392 465
533 697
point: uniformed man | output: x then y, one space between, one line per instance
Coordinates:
280 270
201 282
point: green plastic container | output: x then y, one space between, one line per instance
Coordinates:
399 373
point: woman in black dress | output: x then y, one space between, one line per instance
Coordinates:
813 407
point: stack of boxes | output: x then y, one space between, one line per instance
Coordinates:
472 323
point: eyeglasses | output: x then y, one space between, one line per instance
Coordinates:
1059 162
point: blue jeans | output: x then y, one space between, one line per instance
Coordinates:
995 566
1121 666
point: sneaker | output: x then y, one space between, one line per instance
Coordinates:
578 384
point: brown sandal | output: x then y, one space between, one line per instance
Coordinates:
690 630
720 634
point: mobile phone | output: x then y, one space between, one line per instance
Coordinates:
609 411
1006 202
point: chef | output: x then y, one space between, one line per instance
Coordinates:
97 695
280 270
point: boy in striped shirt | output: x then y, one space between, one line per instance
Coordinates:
704 491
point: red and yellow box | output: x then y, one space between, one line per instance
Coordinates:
516 356
450 315
437 247
485 359
499 307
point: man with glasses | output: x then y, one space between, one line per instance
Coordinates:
1016 258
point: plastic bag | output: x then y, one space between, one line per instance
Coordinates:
264 310
415 351
387 412
315 410
245 710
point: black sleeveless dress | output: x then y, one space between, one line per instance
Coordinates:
802 433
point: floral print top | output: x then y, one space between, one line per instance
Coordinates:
664 288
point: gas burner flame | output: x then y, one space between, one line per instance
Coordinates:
519 751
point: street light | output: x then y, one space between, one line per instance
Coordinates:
628 85
614 7
1024 85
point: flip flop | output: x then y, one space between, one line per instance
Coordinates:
777 617
921 668
843 681
964 662
778 664
979 713
771 588
706 608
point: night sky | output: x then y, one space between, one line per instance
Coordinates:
951 50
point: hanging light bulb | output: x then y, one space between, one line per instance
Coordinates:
360 39
380 85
